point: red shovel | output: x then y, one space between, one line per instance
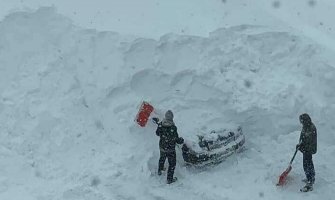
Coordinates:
282 177
143 114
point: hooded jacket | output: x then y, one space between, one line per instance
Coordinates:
308 136
167 131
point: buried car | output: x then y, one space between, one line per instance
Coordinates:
213 147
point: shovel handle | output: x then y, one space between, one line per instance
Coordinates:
295 153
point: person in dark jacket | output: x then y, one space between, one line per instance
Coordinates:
308 146
167 131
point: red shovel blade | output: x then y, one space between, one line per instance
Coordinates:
143 114
283 176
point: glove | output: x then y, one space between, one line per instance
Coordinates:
155 119
180 140
297 147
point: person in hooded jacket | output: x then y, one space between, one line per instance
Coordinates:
308 146
167 131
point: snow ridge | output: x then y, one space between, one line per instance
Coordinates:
69 96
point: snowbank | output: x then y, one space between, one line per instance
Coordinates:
69 97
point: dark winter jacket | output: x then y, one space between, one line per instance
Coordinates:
168 134
308 139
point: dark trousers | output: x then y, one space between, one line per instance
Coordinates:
171 156
309 167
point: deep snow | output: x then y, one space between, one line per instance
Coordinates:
69 97
154 18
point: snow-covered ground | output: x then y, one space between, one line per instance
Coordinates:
154 18
69 95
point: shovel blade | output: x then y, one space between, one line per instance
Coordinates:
283 176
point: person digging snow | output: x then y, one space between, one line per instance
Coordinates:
167 131
308 146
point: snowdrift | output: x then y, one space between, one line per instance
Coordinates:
68 96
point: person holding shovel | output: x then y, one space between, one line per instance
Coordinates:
307 146
167 131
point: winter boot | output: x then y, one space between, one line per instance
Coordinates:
308 187
172 181
160 171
